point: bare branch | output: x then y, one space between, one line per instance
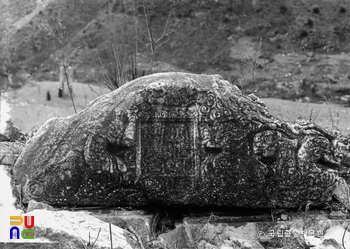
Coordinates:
82 243
69 86
148 24
103 66
136 39
162 43
331 116
103 76
166 24
138 237
110 235
96 237
141 42
344 236
93 89
143 33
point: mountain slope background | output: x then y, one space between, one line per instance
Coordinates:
300 46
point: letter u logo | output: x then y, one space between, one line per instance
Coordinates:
31 224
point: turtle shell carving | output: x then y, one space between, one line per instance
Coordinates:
179 139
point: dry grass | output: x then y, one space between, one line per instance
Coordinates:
325 114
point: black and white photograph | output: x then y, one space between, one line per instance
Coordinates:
170 124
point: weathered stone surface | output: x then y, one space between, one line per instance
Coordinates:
337 234
32 205
329 244
12 132
179 139
337 215
3 138
136 220
9 152
197 234
72 230
303 230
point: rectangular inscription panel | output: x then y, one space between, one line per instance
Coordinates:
167 147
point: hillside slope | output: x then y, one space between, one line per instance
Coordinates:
199 36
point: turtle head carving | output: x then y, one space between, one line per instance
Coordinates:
179 139
304 156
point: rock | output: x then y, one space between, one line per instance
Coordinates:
3 138
9 152
302 230
179 139
312 241
178 237
138 220
196 234
345 99
33 205
72 230
306 230
337 215
284 217
306 99
341 192
331 79
311 57
13 133
329 244
336 233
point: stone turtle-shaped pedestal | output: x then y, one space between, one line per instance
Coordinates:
180 139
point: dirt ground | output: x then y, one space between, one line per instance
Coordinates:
30 107
324 114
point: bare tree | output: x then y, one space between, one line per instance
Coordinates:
153 42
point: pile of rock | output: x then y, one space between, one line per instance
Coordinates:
113 228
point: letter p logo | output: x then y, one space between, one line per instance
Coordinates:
16 220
